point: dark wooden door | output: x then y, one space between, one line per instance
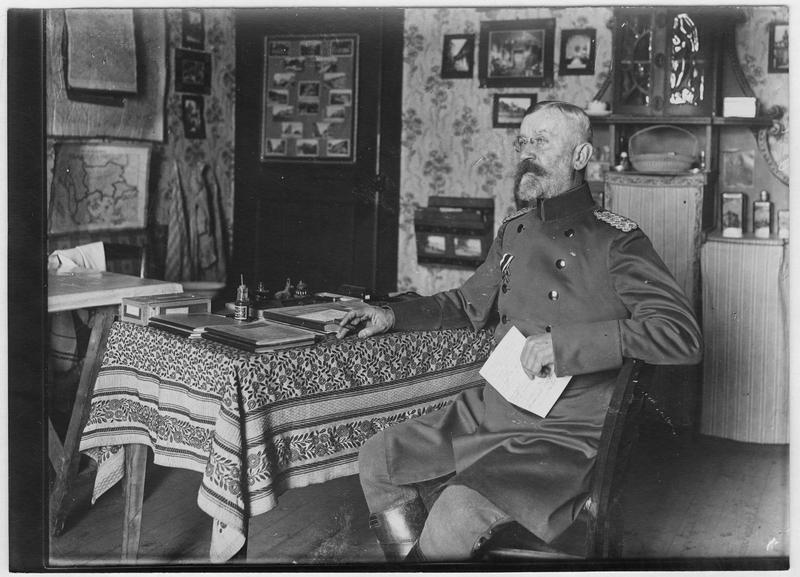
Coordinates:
320 222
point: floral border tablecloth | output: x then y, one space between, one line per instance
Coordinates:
288 418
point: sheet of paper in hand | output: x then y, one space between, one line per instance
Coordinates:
503 370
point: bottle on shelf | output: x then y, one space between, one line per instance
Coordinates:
624 161
702 163
241 308
762 215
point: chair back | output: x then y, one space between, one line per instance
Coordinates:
125 258
617 441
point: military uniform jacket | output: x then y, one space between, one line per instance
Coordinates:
594 282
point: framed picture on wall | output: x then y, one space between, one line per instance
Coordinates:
309 107
192 71
458 56
778 47
577 52
509 109
193 28
516 53
194 122
737 168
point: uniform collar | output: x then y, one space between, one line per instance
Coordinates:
574 200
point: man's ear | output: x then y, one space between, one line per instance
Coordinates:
581 155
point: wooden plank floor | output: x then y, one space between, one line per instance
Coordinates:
710 499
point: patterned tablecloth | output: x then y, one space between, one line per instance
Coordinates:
288 418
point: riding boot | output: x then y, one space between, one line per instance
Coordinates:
398 528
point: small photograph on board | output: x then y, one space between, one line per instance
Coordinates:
322 129
278 96
737 168
326 64
343 47
296 64
194 124
335 113
279 48
193 29
307 107
577 52
458 56
340 97
307 147
311 47
335 79
281 79
275 146
308 89
282 111
338 147
292 129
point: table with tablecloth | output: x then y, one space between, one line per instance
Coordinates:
256 425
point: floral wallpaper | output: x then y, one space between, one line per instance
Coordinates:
449 146
201 167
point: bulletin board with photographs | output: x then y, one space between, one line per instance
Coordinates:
309 102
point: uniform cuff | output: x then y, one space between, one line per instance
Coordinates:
587 347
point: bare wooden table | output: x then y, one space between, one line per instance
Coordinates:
103 292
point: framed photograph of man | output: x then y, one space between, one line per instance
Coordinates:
577 52
458 56
778 47
516 53
509 109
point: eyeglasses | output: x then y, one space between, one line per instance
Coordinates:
520 142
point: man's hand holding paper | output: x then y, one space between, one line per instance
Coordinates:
515 367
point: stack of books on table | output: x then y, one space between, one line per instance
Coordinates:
191 325
260 336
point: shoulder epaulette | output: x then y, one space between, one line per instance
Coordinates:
514 215
617 221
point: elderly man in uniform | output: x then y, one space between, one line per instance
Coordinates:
586 288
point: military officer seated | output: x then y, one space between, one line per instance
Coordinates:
586 288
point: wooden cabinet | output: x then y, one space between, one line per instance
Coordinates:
746 330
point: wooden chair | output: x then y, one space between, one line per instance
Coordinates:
126 258
597 531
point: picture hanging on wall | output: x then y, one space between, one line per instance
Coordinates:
509 109
310 87
737 168
458 56
192 71
193 29
577 52
194 123
516 53
778 47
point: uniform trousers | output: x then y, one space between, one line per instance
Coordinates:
458 517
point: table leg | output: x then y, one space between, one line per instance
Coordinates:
135 467
68 459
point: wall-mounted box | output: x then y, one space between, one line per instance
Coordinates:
454 231
739 107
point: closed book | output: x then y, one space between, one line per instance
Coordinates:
321 317
191 325
259 336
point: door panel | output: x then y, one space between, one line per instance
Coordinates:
326 223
